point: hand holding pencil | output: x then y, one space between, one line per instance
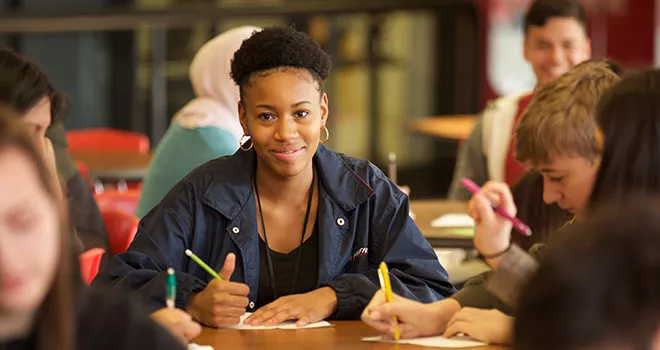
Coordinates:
493 231
386 287
414 319
221 303
177 321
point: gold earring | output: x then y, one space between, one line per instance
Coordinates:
327 134
241 143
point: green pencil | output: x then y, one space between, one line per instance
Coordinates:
171 288
203 264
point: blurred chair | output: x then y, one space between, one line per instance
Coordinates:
125 200
89 264
107 140
121 229
83 170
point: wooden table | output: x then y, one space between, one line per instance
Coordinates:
427 210
456 127
114 165
345 335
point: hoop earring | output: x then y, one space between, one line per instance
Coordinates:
327 134
241 143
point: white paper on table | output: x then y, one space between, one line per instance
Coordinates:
436 342
193 346
284 325
453 220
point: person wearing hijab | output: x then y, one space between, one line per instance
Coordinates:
204 129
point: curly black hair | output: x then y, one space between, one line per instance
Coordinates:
279 47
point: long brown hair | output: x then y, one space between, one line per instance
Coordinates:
55 320
629 117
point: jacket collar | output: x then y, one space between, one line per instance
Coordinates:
230 188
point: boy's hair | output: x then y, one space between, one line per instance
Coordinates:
560 120
542 10
598 285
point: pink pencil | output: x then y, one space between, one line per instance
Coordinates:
517 224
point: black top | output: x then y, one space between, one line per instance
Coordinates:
285 265
110 321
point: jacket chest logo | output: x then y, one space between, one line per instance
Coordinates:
360 252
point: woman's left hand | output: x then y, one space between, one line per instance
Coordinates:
490 326
305 308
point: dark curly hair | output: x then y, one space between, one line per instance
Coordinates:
279 47
23 84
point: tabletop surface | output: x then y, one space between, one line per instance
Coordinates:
456 127
427 210
114 164
345 335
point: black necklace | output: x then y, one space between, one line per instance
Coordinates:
271 271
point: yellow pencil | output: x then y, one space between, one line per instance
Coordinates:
384 276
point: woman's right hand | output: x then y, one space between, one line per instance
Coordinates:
415 319
492 232
221 303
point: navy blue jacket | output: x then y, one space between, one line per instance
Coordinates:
362 219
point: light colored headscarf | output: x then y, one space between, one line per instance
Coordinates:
216 104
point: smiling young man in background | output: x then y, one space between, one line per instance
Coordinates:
556 40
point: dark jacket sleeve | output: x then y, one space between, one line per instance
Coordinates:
499 289
516 268
111 320
161 241
475 294
415 272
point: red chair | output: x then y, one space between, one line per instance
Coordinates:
83 170
125 201
89 264
121 229
107 140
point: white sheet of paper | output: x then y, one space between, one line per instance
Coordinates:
453 220
435 342
193 346
283 325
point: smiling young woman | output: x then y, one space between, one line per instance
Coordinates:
283 216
